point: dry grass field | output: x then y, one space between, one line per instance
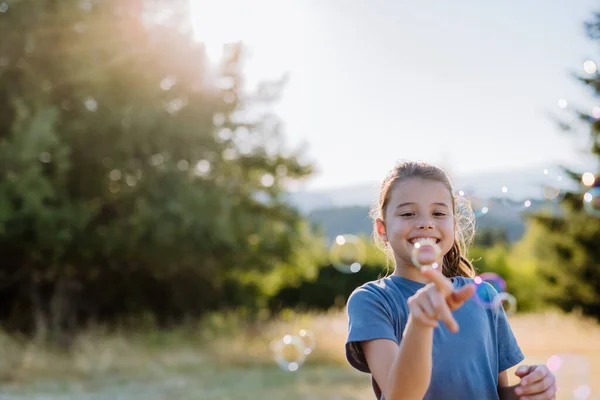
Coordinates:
222 359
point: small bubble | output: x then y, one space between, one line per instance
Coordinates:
91 104
203 167
115 175
596 112
588 179
267 180
3 7
289 352
224 134
131 180
554 363
168 82
347 253
281 170
175 105
591 202
589 66
183 165
562 103
157 159
218 119
582 392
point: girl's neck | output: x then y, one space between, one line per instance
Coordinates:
410 272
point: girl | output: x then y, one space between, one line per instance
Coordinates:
393 322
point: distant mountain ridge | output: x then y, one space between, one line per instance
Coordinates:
521 184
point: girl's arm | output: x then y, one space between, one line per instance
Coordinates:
505 391
402 372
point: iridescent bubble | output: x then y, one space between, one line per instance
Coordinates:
309 339
483 294
508 302
552 183
347 254
289 352
495 280
426 252
591 202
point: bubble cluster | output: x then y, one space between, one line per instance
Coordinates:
426 253
496 298
347 254
291 351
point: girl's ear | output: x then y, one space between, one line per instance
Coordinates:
381 229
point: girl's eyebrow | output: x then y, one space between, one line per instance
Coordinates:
411 203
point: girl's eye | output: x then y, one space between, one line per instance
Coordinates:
407 214
439 214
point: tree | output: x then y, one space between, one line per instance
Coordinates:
566 245
134 176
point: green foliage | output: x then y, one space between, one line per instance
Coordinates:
565 246
135 175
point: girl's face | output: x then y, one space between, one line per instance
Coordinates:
417 208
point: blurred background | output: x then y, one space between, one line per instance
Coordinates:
185 185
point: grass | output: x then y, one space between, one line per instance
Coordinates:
221 358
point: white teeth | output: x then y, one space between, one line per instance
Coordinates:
424 241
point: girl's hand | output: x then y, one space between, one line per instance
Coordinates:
437 300
537 382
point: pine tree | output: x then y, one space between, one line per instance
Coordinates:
567 246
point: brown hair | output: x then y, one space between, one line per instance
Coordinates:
455 262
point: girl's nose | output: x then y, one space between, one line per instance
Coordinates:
425 224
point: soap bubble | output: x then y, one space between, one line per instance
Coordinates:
289 352
426 252
347 254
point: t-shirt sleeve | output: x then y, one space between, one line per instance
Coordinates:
509 352
368 319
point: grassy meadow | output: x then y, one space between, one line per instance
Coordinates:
222 358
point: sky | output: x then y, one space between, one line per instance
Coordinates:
469 85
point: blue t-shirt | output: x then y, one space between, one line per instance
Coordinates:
465 364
